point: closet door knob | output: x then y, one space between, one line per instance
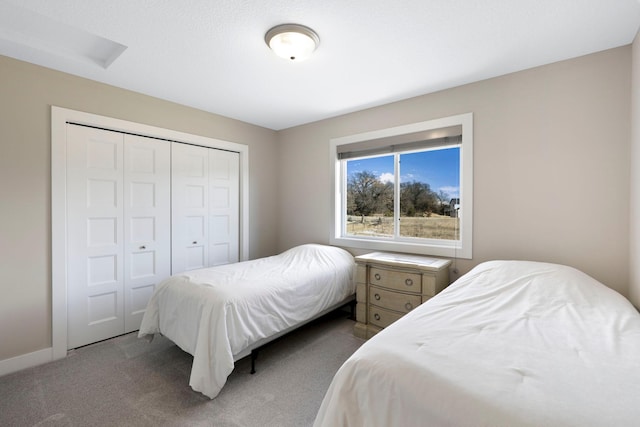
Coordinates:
143 247
195 242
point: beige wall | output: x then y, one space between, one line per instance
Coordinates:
551 169
26 94
634 248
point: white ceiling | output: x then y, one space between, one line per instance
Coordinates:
211 54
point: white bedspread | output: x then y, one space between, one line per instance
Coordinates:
510 343
215 313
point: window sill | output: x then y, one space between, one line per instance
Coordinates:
442 250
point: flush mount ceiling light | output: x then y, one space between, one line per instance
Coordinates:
292 41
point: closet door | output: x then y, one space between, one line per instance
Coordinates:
95 230
189 207
118 222
205 204
224 207
147 223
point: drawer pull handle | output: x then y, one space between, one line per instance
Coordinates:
376 316
408 306
377 276
377 297
408 282
143 247
195 242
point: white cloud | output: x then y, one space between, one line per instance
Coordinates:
386 177
453 192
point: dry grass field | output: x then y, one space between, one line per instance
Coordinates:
433 227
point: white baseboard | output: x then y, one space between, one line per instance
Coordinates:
25 361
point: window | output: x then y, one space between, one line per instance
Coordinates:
406 189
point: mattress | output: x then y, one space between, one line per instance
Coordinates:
216 313
511 343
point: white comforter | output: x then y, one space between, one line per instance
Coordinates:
215 313
509 344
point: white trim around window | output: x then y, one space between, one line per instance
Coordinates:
431 129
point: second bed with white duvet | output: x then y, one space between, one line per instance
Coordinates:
218 314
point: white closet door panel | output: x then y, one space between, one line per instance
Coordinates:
95 233
147 222
189 207
224 207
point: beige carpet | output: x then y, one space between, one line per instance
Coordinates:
126 381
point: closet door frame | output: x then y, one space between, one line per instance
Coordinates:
60 117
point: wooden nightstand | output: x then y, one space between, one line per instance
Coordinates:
389 285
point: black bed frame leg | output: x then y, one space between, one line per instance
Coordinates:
254 356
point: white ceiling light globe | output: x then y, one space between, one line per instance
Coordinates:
291 41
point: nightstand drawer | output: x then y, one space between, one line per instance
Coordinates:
393 300
381 317
396 279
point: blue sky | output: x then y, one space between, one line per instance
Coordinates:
438 168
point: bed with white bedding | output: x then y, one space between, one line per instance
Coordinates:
220 314
511 343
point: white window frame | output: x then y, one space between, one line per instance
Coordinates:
449 248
